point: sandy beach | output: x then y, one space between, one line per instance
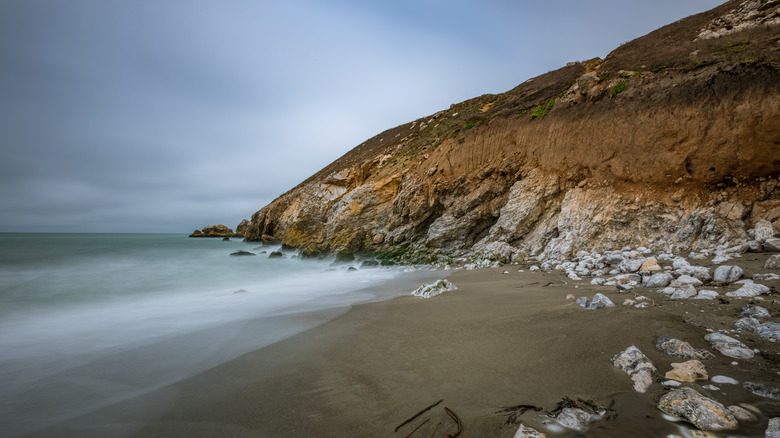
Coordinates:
499 340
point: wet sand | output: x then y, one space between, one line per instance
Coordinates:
499 340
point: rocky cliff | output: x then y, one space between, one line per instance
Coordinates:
671 142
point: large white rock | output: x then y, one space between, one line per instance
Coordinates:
432 289
748 290
727 274
764 230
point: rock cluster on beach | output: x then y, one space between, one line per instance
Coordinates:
667 278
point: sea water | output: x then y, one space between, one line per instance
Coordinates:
87 320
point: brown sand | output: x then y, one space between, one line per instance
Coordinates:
499 340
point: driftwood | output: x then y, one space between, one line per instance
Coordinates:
418 414
455 418
417 428
435 429
517 411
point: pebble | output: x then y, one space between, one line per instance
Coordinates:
703 412
724 380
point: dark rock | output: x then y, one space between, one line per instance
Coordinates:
218 230
351 269
746 324
226 239
241 228
369 264
345 257
762 390
276 255
242 253
769 330
703 412
754 311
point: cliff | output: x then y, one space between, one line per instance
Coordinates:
671 142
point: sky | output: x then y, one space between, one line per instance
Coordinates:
170 115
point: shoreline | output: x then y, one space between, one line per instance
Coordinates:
498 340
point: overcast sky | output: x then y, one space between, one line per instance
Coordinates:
170 115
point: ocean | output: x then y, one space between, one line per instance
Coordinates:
87 320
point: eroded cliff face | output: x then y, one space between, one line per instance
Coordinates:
671 142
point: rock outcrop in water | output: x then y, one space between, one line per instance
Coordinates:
218 230
672 142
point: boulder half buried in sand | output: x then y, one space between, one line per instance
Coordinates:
677 348
637 366
689 371
729 346
432 289
703 412
528 432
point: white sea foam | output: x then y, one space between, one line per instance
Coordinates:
93 319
